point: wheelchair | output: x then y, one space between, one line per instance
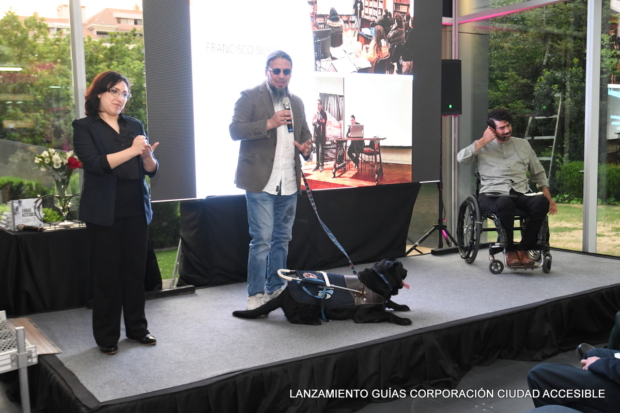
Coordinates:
469 228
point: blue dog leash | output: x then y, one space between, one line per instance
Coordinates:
327 230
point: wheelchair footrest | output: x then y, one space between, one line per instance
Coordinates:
495 249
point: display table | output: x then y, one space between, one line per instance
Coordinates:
50 271
43 271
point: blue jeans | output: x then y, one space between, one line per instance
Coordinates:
271 220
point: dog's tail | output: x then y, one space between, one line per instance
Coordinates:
262 310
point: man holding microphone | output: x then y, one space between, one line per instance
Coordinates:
270 124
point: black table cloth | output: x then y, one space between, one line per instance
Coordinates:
43 271
50 271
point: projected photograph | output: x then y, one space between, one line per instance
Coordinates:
360 121
363 36
363 135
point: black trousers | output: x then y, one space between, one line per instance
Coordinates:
504 207
118 263
320 154
354 151
549 376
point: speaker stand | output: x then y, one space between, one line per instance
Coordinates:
439 226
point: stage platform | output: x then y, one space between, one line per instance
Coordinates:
208 361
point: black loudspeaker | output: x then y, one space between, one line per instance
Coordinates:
451 87
447 8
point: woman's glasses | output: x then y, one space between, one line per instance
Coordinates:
117 93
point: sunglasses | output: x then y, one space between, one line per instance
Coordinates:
277 71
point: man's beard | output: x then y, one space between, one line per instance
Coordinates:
279 94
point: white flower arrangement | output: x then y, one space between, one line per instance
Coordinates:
59 164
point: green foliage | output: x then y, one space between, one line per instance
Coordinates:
42 89
124 53
166 260
23 188
51 215
74 183
165 229
43 107
609 184
569 183
539 55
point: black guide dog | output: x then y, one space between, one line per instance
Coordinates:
375 286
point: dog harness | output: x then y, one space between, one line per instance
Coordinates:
332 291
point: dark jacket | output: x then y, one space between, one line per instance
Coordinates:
396 36
258 145
99 189
407 54
608 367
385 23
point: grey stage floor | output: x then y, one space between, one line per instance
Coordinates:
198 338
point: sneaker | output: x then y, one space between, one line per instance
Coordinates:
268 297
254 301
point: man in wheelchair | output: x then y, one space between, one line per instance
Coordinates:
503 164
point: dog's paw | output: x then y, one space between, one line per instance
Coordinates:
403 321
403 307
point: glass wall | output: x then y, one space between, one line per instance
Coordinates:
536 68
36 98
608 210
537 71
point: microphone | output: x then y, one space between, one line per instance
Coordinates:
22 227
286 102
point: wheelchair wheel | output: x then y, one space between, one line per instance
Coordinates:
546 265
468 229
496 266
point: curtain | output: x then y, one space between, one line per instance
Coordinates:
333 104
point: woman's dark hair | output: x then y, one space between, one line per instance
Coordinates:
379 35
101 84
399 21
333 15
277 54
498 114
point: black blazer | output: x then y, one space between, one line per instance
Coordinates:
99 189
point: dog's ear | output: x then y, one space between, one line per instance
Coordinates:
383 265
400 269
396 267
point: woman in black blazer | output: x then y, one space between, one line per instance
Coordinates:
116 206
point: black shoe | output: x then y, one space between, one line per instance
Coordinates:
316 168
321 169
583 348
109 349
147 340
